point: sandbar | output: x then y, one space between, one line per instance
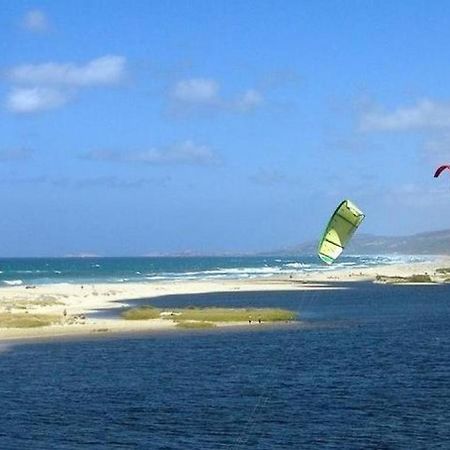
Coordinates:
75 303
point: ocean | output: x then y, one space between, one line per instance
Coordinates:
365 367
18 271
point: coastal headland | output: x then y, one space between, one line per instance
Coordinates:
30 312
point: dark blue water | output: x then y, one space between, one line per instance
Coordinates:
369 368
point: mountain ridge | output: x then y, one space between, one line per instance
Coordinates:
424 243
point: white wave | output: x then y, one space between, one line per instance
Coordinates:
29 271
297 265
13 282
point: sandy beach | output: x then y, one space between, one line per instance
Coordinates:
73 303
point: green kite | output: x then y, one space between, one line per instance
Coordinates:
343 223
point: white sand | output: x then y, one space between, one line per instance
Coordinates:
82 299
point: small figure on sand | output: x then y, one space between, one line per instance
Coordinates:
249 319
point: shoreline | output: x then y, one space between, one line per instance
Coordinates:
80 300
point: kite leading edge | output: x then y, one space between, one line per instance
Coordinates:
440 169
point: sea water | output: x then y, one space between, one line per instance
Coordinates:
18 271
366 367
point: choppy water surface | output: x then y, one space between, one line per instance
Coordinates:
369 369
18 271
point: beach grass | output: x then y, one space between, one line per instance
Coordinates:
24 320
210 315
23 303
234 314
195 324
142 313
416 278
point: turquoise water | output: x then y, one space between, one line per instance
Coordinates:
17 271
368 368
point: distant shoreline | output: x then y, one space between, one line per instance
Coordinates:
79 300
37 271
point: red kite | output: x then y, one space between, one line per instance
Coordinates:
441 169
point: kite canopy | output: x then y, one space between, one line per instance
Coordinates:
343 223
440 169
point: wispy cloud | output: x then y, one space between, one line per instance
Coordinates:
416 195
248 101
202 95
268 177
110 182
15 154
197 91
438 146
184 153
107 70
117 183
32 100
35 21
424 115
43 87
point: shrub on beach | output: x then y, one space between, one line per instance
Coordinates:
192 314
235 314
195 324
416 278
420 278
24 320
142 313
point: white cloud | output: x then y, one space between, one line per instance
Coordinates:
107 70
32 100
41 87
251 99
184 153
35 21
425 114
202 95
196 91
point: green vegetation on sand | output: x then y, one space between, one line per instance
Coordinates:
235 314
206 317
195 324
419 278
24 303
24 320
143 313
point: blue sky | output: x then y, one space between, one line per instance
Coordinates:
132 128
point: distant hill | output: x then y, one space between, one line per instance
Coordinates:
430 243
